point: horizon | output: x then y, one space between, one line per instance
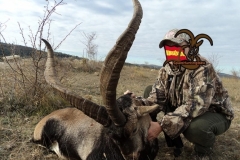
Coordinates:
149 61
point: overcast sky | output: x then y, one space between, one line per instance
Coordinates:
220 19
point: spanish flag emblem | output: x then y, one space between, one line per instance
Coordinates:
174 53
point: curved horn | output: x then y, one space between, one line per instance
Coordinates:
113 64
98 113
143 110
204 36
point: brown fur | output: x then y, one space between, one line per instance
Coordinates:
70 117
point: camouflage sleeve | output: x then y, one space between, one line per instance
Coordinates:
157 95
198 91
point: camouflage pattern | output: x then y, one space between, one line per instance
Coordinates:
195 92
170 36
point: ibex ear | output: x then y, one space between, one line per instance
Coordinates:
143 110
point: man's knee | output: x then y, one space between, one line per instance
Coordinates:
147 91
200 132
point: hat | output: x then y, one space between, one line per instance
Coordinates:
170 37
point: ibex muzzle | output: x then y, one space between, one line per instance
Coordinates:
116 131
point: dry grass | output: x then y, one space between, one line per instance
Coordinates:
17 121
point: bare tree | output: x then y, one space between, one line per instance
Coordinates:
214 58
235 73
3 26
90 47
34 81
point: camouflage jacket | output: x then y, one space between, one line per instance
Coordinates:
194 93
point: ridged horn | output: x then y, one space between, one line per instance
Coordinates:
113 64
98 113
143 110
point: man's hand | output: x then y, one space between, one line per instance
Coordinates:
154 130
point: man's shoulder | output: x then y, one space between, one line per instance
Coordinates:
206 70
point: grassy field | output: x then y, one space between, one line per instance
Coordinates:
19 112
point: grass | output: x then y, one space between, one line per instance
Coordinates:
18 117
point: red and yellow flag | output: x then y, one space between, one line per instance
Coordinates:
174 53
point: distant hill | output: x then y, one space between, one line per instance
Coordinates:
226 75
8 49
152 66
158 67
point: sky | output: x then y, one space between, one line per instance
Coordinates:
220 19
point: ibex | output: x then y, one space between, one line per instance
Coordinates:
115 131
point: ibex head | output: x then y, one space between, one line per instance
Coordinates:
125 119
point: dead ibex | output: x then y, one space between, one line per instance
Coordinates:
116 131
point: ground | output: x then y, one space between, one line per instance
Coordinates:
17 123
